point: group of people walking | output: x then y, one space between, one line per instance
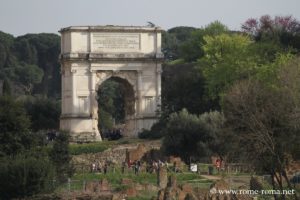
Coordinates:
135 166
98 166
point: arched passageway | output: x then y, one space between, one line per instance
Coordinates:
116 107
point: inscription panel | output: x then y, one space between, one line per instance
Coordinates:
116 42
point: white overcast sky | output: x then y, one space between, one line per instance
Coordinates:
19 17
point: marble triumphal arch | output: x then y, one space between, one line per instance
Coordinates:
91 55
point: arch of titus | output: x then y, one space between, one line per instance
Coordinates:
90 55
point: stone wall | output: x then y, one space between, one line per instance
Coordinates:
115 155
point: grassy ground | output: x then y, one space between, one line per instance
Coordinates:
79 180
77 149
114 178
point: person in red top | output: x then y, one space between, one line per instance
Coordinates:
218 164
129 163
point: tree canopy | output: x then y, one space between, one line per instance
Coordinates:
265 121
14 127
282 29
194 137
30 62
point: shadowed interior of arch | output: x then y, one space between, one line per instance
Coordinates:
116 106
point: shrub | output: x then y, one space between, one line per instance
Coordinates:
15 136
61 158
190 136
145 134
44 113
183 132
24 175
156 131
77 149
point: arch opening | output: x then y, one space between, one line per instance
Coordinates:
116 108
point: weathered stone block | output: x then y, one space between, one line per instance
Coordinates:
162 177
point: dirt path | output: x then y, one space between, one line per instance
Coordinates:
211 177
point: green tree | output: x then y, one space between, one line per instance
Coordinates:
183 86
214 122
215 28
28 76
111 103
106 120
190 136
6 87
268 72
172 39
14 127
169 45
265 121
48 48
19 55
25 51
183 131
192 48
44 113
230 58
40 50
7 58
226 60
281 29
25 175
61 158
6 42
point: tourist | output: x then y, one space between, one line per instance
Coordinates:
93 166
137 167
105 167
133 166
167 164
155 166
123 167
148 167
218 164
99 166
129 164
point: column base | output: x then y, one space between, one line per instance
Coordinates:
81 129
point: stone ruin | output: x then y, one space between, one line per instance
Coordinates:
136 154
173 191
187 192
162 177
167 189
102 186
